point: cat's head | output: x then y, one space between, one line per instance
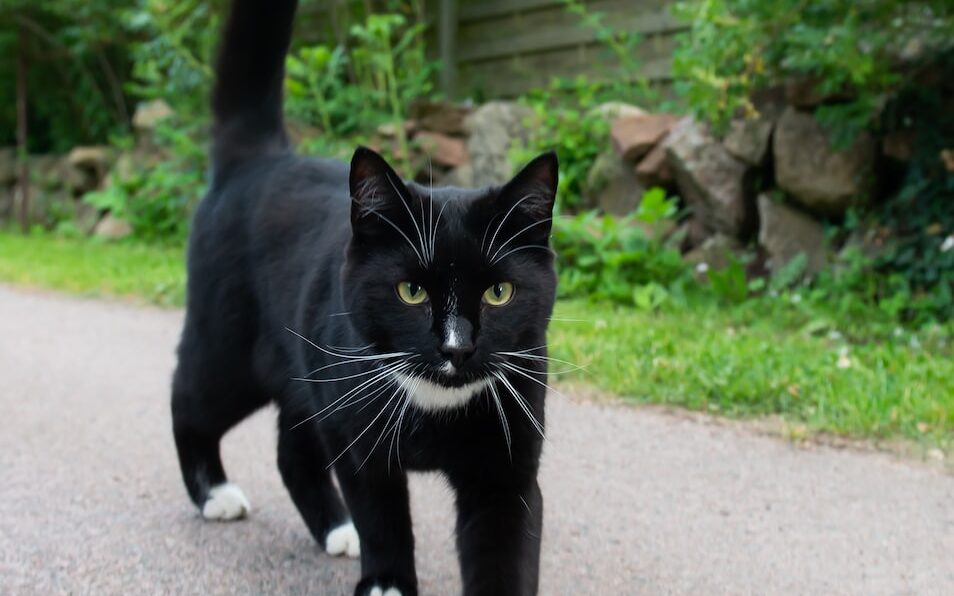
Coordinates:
454 278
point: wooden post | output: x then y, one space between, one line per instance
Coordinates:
447 32
22 129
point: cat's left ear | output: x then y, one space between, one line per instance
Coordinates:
532 192
374 185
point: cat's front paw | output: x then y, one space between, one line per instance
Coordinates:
343 541
225 502
384 586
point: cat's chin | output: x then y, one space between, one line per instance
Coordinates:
442 391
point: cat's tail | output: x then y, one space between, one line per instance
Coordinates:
249 77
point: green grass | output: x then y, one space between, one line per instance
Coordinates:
759 358
94 268
762 358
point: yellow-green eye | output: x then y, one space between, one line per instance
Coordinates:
411 293
499 294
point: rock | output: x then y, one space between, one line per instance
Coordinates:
785 232
947 158
390 130
714 253
804 92
653 169
613 110
46 172
150 113
691 234
112 228
440 116
812 172
444 150
748 139
462 176
899 144
634 136
494 128
611 185
869 240
86 217
78 180
8 166
713 182
6 204
92 157
46 207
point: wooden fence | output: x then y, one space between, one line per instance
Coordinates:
502 48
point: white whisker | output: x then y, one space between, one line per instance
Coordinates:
437 223
367 428
518 249
510 366
381 374
420 257
539 358
503 417
511 239
546 372
504 220
348 356
521 402
420 234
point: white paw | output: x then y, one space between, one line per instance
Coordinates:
226 502
376 591
344 540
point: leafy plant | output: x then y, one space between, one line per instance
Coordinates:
847 48
730 283
611 258
158 201
578 133
352 90
75 45
173 62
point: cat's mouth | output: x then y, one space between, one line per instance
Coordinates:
450 376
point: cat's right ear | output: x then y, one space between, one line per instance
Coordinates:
375 186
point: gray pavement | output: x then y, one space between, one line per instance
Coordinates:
637 501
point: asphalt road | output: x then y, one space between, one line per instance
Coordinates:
637 501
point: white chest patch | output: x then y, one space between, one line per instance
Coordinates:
430 396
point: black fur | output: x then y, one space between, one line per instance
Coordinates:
281 241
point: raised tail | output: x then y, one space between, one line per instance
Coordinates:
250 72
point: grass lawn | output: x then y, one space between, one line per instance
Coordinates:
94 268
860 377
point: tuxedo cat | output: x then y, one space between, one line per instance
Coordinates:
398 327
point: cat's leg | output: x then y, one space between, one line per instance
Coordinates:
206 403
380 507
498 537
303 462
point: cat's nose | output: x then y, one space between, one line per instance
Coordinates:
458 353
458 343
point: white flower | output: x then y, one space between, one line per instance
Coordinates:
843 362
898 332
914 343
834 335
702 267
948 243
796 298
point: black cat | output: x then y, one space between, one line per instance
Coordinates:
397 326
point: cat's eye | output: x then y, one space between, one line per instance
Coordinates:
499 293
411 293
